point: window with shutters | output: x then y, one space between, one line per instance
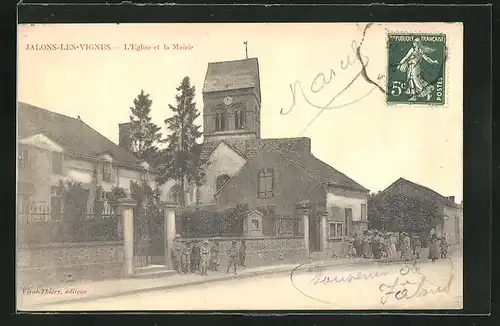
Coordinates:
265 184
348 221
106 171
363 212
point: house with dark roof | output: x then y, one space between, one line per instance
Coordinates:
270 175
451 226
53 147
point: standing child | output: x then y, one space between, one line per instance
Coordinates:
418 247
233 258
204 257
186 259
195 257
242 253
444 247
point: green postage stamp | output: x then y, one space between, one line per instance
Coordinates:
416 68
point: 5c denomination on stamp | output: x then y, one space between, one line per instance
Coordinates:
416 68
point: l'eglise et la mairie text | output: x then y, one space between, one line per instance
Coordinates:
149 47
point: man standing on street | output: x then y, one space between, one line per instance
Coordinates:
204 257
243 249
233 258
176 253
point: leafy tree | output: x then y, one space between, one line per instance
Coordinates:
180 161
117 193
399 212
144 134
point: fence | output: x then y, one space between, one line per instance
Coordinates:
39 225
210 223
282 226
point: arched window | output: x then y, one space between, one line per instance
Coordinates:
217 122
175 194
220 121
221 181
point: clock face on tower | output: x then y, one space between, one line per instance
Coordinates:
228 100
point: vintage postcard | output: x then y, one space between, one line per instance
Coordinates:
240 166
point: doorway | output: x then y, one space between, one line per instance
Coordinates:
314 233
157 238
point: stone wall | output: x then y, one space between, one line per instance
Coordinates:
264 250
60 263
337 246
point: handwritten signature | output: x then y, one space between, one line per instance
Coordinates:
321 279
320 81
414 288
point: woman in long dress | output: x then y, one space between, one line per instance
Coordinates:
411 65
434 248
406 252
394 252
366 245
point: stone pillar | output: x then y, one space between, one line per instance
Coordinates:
305 219
169 232
324 236
126 209
304 208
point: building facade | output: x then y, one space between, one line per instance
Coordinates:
451 224
53 148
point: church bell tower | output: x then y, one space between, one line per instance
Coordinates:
232 100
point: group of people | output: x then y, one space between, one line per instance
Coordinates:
377 244
202 256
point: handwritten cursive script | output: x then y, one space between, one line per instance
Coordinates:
321 80
413 288
321 279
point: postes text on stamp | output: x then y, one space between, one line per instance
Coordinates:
416 68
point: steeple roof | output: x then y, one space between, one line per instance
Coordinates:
231 75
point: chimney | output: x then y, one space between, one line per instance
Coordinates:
124 135
452 198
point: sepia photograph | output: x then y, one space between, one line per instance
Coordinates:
239 166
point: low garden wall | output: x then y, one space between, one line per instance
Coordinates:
59 263
262 251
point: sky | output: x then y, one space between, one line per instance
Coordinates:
370 141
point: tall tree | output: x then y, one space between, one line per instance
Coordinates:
180 160
144 134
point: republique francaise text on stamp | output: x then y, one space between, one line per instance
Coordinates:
416 68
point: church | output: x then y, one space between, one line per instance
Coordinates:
272 176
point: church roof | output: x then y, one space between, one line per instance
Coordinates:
320 170
72 134
230 75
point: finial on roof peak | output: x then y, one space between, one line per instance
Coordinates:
78 117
